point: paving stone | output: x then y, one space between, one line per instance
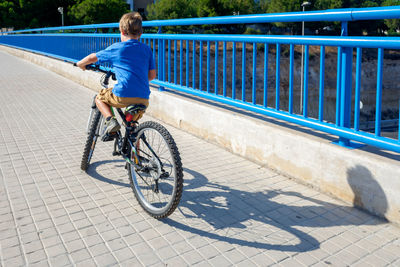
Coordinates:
157 243
80 255
132 262
99 249
190 256
15 261
10 252
176 261
125 254
247 263
36 256
87 263
148 259
105 260
43 263
166 253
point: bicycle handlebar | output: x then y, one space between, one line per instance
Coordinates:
105 79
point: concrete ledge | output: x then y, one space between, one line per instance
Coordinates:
368 177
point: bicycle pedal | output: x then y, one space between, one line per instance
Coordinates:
164 175
108 137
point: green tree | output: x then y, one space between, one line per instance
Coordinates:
43 13
283 6
98 11
241 7
32 13
167 9
8 14
327 4
208 8
393 25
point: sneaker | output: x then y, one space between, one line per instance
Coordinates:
112 126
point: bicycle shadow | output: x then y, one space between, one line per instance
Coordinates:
92 172
255 219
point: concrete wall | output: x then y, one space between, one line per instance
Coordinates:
368 177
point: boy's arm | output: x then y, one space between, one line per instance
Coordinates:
92 58
152 75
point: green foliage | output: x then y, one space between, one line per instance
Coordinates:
280 6
393 25
242 7
167 9
32 13
42 13
253 31
8 13
327 4
208 8
98 11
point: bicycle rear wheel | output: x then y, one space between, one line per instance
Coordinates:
91 140
157 180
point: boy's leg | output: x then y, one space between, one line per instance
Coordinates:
103 101
105 109
106 98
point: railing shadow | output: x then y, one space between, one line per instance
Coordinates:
368 194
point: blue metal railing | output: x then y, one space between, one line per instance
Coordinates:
181 66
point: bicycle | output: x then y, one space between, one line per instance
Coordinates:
152 158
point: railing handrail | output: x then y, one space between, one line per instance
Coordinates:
348 14
343 41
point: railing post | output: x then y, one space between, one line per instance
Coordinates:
161 62
345 87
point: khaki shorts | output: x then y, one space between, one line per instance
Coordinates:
107 96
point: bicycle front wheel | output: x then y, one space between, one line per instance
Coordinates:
91 140
157 178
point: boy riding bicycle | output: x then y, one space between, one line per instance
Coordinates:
133 65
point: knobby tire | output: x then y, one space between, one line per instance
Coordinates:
174 165
91 140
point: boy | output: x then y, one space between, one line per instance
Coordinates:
133 65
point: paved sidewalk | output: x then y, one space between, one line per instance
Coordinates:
233 212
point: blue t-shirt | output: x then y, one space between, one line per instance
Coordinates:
131 61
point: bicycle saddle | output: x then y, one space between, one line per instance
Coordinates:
135 108
134 112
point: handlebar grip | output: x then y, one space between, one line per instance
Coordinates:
89 67
92 67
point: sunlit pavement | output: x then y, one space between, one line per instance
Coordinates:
233 212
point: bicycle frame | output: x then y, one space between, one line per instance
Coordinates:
130 137
122 141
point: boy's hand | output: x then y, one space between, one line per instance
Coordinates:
81 65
